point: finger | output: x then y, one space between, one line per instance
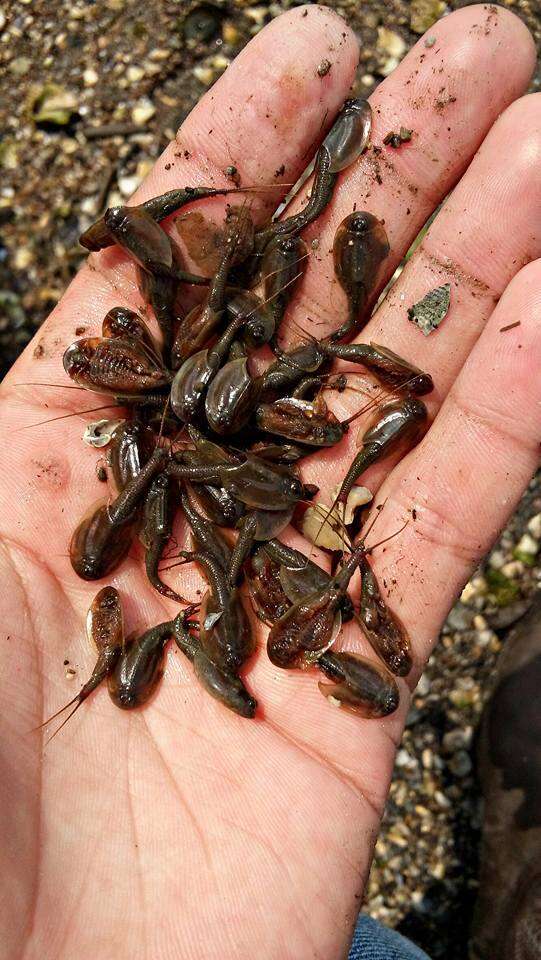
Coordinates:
250 119
450 95
463 482
486 230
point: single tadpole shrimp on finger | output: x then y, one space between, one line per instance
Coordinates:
160 506
231 397
207 538
114 366
225 632
98 546
131 447
120 323
382 628
225 687
343 145
313 623
282 266
98 236
358 685
303 421
105 627
280 577
392 371
360 247
103 538
398 424
140 667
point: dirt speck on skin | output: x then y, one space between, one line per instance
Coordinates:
39 351
324 68
443 99
51 472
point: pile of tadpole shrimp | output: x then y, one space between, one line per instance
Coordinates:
205 429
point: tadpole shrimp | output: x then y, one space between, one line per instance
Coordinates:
310 626
343 145
358 685
225 634
280 576
98 236
105 628
104 537
159 510
225 687
140 667
360 247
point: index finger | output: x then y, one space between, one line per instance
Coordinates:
265 116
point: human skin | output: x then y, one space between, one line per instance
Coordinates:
181 830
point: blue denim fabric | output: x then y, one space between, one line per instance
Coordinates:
372 941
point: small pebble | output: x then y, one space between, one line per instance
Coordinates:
460 617
257 14
391 43
128 185
143 111
88 206
323 68
403 759
441 800
204 74
463 698
513 569
527 544
230 34
484 637
423 13
134 74
395 838
23 258
497 559
534 526
20 66
90 77
460 764
458 739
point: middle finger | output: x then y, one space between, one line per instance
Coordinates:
449 94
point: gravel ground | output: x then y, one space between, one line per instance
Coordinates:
92 93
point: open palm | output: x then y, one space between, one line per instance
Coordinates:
182 830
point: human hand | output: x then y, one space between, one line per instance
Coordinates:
182 830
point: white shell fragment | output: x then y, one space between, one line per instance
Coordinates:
431 310
99 433
358 497
331 534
